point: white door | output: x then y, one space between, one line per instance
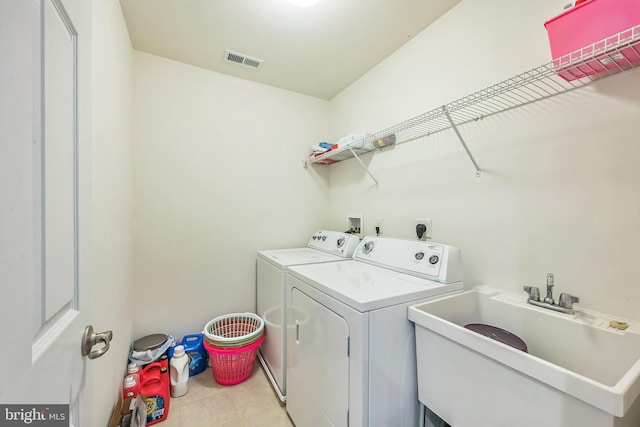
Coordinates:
45 140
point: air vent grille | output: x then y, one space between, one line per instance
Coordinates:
242 59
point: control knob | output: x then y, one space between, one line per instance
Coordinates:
368 247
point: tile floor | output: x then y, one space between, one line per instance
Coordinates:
251 403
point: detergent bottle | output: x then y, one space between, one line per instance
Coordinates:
155 385
134 369
179 372
131 386
194 347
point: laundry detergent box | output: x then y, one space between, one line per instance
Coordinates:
194 347
136 408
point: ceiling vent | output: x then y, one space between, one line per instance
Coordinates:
242 59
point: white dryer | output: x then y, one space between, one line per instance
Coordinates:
351 358
324 246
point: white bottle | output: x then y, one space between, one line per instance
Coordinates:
132 381
131 387
133 369
179 372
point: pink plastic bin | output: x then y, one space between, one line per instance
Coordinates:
591 22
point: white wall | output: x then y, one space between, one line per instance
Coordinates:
558 192
217 177
112 274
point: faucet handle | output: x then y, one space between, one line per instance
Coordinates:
534 292
567 300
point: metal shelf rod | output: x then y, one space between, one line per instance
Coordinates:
364 166
455 129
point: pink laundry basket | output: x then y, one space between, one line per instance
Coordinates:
232 365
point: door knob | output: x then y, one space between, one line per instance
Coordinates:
90 338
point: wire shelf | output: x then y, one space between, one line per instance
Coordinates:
615 54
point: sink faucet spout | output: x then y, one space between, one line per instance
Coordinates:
549 298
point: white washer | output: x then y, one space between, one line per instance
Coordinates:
351 358
324 246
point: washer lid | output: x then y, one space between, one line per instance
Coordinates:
283 258
367 287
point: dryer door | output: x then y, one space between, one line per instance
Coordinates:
318 375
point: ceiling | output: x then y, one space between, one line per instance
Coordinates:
317 50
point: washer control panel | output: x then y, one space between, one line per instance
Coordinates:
335 242
433 261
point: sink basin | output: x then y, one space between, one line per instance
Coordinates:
578 370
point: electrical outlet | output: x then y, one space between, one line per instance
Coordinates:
427 223
378 226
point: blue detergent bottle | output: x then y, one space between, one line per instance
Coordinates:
194 347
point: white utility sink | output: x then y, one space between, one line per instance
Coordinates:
578 372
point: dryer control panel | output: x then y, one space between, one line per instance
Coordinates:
433 261
334 242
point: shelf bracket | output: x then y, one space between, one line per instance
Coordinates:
363 166
455 129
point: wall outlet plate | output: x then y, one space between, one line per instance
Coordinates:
427 222
378 225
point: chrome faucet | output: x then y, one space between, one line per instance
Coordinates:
549 298
565 302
